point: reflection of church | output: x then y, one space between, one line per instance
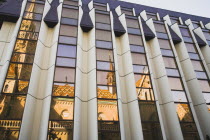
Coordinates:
12 106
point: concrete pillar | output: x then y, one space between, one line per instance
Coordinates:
171 122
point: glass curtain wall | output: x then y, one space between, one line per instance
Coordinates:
183 110
108 118
61 119
15 89
197 64
144 90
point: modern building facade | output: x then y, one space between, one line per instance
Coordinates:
102 70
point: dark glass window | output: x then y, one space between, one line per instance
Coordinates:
139 59
62 109
103 35
169 62
103 26
102 18
185 32
152 15
136 48
66 51
64 74
101 7
70 13
160 28
127 11
103 44
164 44
175 83
67 40
102 78
66 30
135 40
104 55
105 114
132 23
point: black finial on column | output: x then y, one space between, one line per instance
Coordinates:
86 23
51 18
10 10
118 27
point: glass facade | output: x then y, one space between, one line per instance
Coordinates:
61 118
108 119
144 90
15 88
177 89
198 66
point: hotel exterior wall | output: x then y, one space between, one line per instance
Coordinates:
36 112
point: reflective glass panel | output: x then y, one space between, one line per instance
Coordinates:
139 59
194 56
105 65
104 55
62 109
175 83
65 62
132 23
204 85
103 35
191 47
135 40
19 71
145 94
148 111
66 30
28 15
63 89
22 58
107 110
140 69
103 44
106 78
67 40
29 25
169 62
152 131
185 32
142 81
135 48
64 74
36 8
167 52
201 75
70 13
25 46
103 26
179 96
108 92
207 97
197 65
184 113
172 72
102 18
11 107
160 28
10 132
69 21
66 51
15 86
27 35
164 44
60 130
